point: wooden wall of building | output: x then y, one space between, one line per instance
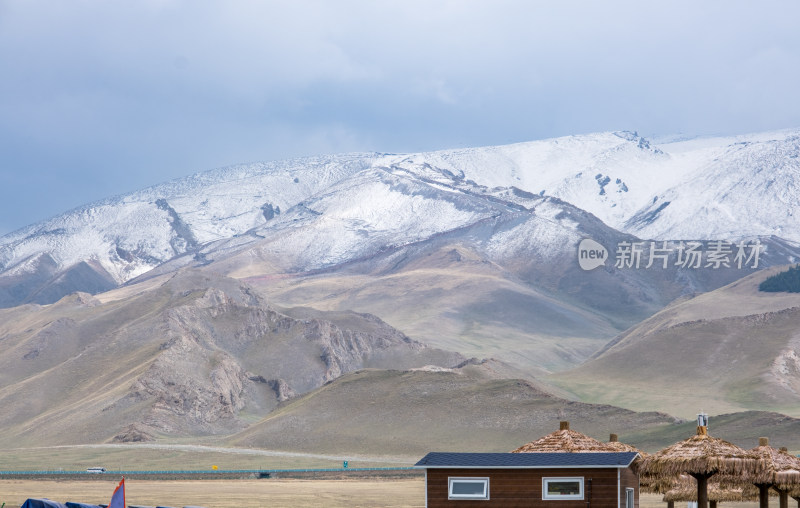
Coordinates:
513 488
629 479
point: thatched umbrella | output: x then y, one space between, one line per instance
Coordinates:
781 471
702 456
565 440
685 489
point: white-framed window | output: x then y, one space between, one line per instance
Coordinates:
629 499
562 488
467 488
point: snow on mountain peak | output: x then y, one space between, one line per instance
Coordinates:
130 234
623 178
328 209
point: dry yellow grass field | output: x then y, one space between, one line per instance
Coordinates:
250 493
227 493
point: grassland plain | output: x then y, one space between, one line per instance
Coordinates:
155 457
373 493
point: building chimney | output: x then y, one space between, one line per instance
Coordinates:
564 426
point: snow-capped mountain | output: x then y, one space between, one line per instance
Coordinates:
319 212
726 188
130 234
745 189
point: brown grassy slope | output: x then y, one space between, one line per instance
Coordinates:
453 297
728 350
413 412
198 355
529 304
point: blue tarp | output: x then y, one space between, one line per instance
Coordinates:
81 505
41 503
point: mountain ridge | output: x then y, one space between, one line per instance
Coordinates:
618 177
234 301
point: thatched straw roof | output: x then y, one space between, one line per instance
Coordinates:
565 440
704 455
656 484
780 468
685 489
619 446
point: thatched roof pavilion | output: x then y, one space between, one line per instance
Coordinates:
702 456
685 489
781 471
566 440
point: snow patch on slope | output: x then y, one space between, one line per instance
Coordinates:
366 214
747 190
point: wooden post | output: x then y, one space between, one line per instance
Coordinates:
763 495
712 503
671 504
783 498
702 491
702 487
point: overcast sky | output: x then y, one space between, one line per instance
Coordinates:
104 97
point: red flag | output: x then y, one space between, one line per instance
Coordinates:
118 498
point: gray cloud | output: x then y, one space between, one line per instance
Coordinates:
100 98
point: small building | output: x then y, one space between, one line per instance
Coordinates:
547 480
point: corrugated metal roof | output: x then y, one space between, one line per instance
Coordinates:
525 460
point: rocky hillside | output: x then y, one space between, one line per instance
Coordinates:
192 355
